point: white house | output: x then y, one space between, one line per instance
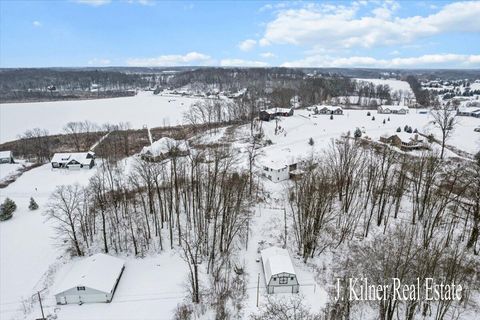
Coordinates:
6 157
91 280
387 109
277 171
280 276
164 148
73 160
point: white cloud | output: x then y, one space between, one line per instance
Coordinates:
425 61
339 26
36 24
99 62
191 58
247 45
242 63
267 55
93 3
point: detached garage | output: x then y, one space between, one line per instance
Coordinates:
91 280
280 277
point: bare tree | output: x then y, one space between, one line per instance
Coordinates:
444 118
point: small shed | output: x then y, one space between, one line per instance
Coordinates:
280 276
73 160
6 157
91 280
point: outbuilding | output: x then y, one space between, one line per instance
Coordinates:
280 276
73 160
91 280
6 157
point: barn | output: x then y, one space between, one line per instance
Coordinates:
73 160
280 276
91 280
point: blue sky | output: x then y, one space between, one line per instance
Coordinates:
385 34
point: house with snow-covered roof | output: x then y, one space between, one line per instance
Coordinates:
6 157
469 111
164 148
405 141
269 114
280 276
73 160
329 110
276 170
94 279
390 109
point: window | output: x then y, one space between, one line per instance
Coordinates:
274 279
291 278
282 280
80 288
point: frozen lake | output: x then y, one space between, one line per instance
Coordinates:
142 109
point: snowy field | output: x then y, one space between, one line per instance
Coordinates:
395 85
292 141
143 109
27 242
9 169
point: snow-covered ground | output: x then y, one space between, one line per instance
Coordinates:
292 141
27 242
150 288
9 169
143 109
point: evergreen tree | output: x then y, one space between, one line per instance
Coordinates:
331 117
33 205
399 129
311 142
7 208
383 121
368 114
357 133
373 118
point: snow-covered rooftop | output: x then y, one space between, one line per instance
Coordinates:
5 154
329 108
164 145
276 260
99 272
277 110
394 107
81 157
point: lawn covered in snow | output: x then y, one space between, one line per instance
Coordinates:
291 142
143 109
27 242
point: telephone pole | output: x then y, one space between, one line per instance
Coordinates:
258 287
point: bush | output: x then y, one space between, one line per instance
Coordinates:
7 208
388 119
311 142
33 205
368 114
383 121
331 117
373 118
399 129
